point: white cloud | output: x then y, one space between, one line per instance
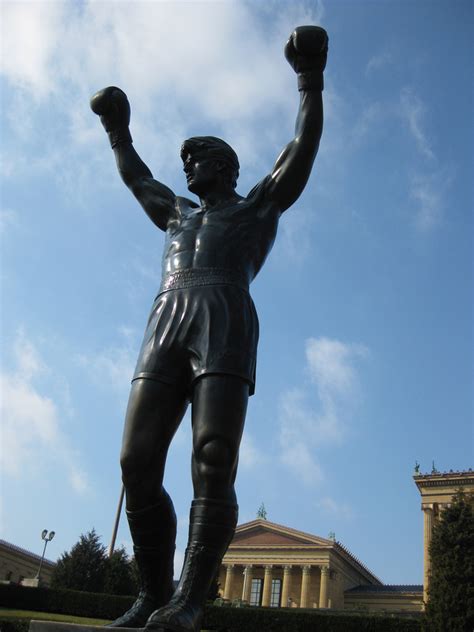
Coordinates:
295 235
429 191
413 112
331 368
369 117
29 419
27 357
331 507
429 202
113 366
150 48
60 53
303 429
297 437
8 218
429 183
32 34
250 455
427 188
31 424
428 179
377 62
79 481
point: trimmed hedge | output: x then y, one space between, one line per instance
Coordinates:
81 604
222 618
226 619
10 625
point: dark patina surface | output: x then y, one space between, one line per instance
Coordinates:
200 343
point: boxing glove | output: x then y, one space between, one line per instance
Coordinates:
112 105
306 51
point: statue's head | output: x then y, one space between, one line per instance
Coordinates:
214 150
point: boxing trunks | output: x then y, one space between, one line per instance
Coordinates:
202 322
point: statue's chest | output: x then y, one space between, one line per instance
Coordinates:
211 226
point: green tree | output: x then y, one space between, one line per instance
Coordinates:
120 578
450 605
84 567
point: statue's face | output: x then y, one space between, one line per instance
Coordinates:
201 174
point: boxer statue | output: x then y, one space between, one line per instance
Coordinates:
200 343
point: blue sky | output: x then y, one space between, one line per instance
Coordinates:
365 303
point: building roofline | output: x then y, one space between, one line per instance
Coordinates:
366 570
19 549
313 540
386 588
451 474
444 479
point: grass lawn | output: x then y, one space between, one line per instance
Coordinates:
7 613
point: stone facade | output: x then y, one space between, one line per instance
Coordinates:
272 565
20 566
389 599
437 490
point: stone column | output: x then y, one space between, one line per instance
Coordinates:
267 586
229 578
323 590
248 576
305 586
428 515
286 585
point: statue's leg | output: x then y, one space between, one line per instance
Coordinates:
153 415
219 407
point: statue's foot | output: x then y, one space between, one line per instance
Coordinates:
175 617
138 614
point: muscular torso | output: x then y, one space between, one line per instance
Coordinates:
236 235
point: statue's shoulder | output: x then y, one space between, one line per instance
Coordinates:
259 190
260 198
185 206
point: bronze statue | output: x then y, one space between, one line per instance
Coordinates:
200 343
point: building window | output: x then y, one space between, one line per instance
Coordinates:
256 592
275 597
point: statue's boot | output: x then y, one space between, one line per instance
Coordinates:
153 533
212 526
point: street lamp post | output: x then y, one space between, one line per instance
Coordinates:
47 538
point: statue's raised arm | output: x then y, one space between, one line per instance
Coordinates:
158 201
306 51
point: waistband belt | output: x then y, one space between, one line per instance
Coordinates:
196 277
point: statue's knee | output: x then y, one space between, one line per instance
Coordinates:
130 466
215 454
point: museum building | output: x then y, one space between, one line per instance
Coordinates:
437 490
18 566
268 564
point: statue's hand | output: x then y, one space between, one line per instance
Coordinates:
112 105
306 51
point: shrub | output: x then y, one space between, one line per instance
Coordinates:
82 604
285 620
451 590
9 625
222 618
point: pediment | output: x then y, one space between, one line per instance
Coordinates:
264 533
